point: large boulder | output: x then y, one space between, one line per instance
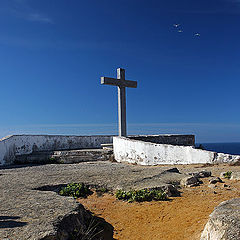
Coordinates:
224 222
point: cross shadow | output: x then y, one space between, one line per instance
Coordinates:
10 222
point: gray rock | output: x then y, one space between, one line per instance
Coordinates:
235 176
172 170
212 186
201 174
171 191
215 180
189 182
224 222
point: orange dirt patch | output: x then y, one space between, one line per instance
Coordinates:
181 218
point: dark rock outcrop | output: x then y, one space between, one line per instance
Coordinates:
81 224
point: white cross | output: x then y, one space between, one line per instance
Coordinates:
121 83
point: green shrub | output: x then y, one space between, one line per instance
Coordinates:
75 190
227 174
141 195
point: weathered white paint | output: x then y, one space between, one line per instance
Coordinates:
26 144
146 153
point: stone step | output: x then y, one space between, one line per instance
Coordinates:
107 146
66 156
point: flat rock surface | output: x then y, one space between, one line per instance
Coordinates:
27 213
30 214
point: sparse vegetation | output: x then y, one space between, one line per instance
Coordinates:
92 231
75 190
141 195
227 174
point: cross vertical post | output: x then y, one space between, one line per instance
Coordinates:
121 83
122 125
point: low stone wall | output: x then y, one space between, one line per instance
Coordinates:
147 153
26 144
179 140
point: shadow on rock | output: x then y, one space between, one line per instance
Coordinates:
51 188
9 222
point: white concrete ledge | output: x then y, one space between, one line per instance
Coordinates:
25 144
147 153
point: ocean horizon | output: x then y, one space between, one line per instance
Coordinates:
227 147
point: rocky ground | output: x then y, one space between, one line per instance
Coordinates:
30 206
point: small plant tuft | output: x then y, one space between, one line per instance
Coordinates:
75 190
141 195
91 232
52 159
227 174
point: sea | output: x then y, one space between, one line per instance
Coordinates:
230 148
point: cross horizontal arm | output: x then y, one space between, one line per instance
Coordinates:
118 82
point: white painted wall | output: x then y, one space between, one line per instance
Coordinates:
145 153
125 150
26 144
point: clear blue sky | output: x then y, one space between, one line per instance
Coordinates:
53 53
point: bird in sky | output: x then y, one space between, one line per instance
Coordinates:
197 35
176 25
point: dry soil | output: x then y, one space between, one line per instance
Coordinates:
181 218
